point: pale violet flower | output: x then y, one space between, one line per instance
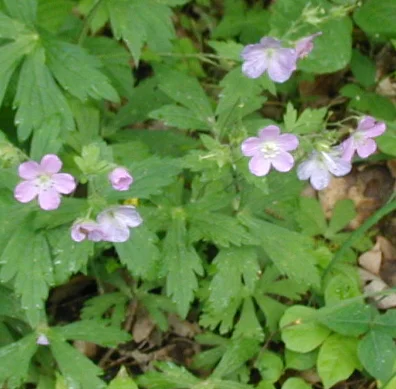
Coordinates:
361 140
305 45
116 221
42 340
86 229
270 148
321 165
120 179
269 55
42 180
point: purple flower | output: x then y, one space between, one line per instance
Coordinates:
42 340
120 179
116 221
269 148
361 140
270 56
86 229
321 165
42 180
305 45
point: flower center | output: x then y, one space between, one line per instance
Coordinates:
359 138
270 149
44 182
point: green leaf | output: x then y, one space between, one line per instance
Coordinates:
77 369
78 72
95 332
15 361
237 354
385 323
170 376
38 97
140 253
310 217
300 331
180 117
300 361
137 23
30 266
13 29
363 69
51 14
183 264
289 250
341 287
24 10
227 50
343 213
295 383
115 59
310 120
248 324
375 17
337 359
270 366
377 353
186 91
46 139
122 381
350 320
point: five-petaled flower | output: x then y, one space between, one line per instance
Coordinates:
361 140
305 45
120 179
270 148
116 221
321 165
86 229
269 55
42 180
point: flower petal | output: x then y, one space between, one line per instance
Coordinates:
348 148
251 146
320 179
64 183
128 215
282 65
49 199
269 133
288 142
251 52
259 165
51 163
25 191
366 148
254 68
29 170
306 168
336 165
366 123
305 45
270 43
114 232
120 179
283 162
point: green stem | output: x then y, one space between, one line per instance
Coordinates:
85 27
358 234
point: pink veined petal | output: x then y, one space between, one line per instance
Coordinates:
251 52
283 162
366 148
51 163
306 168
49 199
115 233
259 165
25 191
288 142
64 183
366 123
305 45
251 146
336 165
282 65
376 130
29 170
76 234
254 68
320 179
128 215
348 149
269 133
270 43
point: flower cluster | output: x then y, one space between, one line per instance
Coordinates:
272 57
271 148
43 180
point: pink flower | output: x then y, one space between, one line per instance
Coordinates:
270 56
116 221
42 180
120 179
320 167
86 229
270 148
305 45
361 140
